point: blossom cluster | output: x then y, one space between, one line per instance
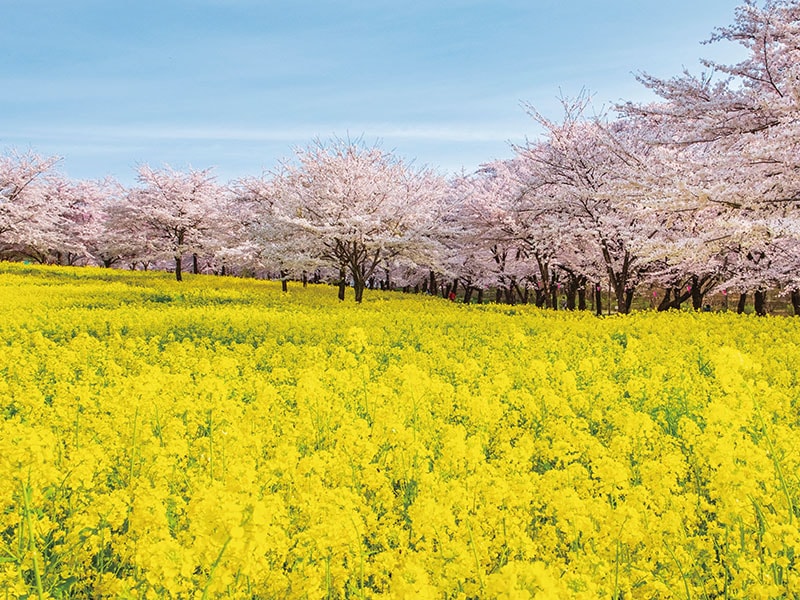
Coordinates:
219 438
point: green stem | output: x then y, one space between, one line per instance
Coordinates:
776 463
214 566
133 447
475 555
211 443
26 490
680 570
615 595
77 426
328 582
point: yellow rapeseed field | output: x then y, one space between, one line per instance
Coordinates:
219 439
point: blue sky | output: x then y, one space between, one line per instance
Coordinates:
238 84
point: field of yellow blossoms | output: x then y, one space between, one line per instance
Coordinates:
220 439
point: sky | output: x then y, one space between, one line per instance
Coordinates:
239 85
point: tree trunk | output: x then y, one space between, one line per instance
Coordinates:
680 296
432 284
510 296
342 284
480 295
358 286
284 282
666 301
582 297
741 303
697 293
572 287
628 300
178 268
195 266
598 300
621 295
796 302
539 297
305 279
760 302
572 296
468 294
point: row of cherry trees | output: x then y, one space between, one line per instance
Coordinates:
694 193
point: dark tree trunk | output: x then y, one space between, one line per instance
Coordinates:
305 279
628 300
195 266
480 295
622 295
222 272
573 285
680 295
761 302
582 297
498 296
598 300
572 295
698 293
554 297
342 284
510 296
284 282
178 268
796 302
666 301
540 297
468 294
358 286
432 284
677 298
741 303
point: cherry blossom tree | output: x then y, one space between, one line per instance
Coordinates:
487 240
172 213
26 215
357 207
270 239
744 130
591 170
